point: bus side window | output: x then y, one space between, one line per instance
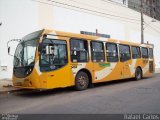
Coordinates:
53 55
150 53
136 53
144 52
112 52
97 50
124 53
79 50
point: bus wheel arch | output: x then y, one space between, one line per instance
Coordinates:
138 73
83 72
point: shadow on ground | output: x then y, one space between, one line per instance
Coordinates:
43 93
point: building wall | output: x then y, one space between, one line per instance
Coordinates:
150 7
20 17
158 9
134 4
121 2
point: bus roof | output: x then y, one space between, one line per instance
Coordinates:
96 38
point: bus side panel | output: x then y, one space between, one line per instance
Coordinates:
58 78
107 72
145 67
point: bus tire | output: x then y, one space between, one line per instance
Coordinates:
138 74
81 81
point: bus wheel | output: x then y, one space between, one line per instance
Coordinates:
138 74
82 81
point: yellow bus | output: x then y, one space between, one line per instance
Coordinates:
49 59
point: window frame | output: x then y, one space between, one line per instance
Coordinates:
139 51
147 52
116 51
81 39
120 53
94 51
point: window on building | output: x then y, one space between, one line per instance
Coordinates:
136 53
112 52
124 53
124 2
79 50
97 50
150 53
144 52
150 1
154 9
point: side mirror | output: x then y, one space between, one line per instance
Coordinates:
9 50
40 47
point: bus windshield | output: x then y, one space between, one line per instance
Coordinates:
25 53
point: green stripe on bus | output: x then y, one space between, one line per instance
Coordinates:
104 64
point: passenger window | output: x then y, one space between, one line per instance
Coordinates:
79 50
144 52
124 53
97 50
112 53
150 53
53 55
136 53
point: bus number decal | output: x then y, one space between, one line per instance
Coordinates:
73 67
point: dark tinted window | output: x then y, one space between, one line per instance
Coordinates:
144 52
151 53
97 50
79 50
112 53
124 52
136 53
53 55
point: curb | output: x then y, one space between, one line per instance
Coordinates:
10 91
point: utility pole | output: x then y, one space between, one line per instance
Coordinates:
142 23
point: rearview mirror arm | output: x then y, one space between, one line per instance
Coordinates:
16 40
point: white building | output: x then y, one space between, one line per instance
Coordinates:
20 17
121 2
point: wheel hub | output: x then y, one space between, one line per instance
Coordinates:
82 81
